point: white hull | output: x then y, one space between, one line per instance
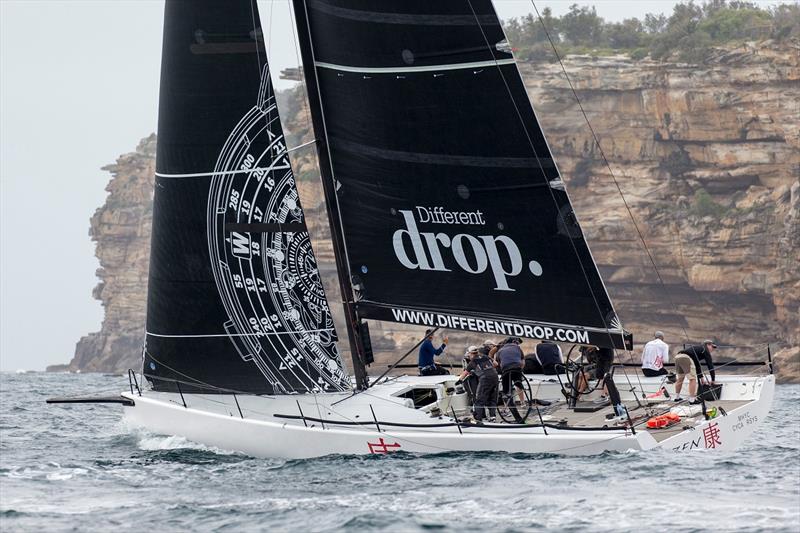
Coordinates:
273 427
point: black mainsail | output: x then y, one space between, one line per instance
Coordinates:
449 206
235 302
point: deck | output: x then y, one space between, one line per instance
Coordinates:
560 414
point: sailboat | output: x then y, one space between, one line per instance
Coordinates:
446 210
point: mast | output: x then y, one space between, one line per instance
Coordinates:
329 184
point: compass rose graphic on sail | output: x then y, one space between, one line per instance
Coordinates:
262 260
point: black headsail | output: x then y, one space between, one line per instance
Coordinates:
453 212
235 301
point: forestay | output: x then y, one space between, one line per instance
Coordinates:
235 300
453 213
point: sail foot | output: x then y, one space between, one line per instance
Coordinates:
571 334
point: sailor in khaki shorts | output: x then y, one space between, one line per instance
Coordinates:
683 366
687 362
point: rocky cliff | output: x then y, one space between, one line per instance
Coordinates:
121 230
705 156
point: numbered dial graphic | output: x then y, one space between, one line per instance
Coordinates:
263 263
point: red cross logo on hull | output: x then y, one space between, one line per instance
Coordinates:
382 447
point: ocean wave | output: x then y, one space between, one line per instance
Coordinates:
77 469
152 443
49 472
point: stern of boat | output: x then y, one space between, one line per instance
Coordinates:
725 432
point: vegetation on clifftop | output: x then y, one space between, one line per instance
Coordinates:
688 35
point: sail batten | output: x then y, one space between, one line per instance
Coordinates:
423 68
443 159
211 173
449 197
227 334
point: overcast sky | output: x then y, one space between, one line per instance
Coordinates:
78 87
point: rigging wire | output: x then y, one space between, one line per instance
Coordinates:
575 250
608 166
639 422
392 367
347 292
300 146
596 141
259 37
302 83
384 432
384 399
269 38
194 381
255 35
686 401
427 445
544 175
197 382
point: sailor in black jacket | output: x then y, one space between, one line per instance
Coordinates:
702 351
485 398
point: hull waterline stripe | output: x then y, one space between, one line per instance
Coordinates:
211 335
422 68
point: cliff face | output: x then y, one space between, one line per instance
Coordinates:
706 158
121 231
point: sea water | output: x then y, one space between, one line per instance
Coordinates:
79 468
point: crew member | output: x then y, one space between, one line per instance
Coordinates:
550 358
602 358
487 347
482 368
654 355
687 362
531 365
510 359
466 359
427 366
471 380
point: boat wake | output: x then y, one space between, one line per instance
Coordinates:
149 442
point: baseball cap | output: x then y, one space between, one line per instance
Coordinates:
709 341
472 349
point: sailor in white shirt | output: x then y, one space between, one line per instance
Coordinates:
654 355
